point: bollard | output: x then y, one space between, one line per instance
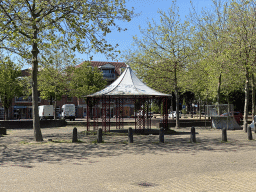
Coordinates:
249 133
245 127
74 139
3 131
193 135
130 135
224 135
255 124
99 134
161 135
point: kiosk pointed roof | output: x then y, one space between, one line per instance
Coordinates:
128 84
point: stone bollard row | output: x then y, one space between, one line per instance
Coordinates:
245 127
193 135
224 135
74 138
249 133
130 135
161 135
3 131
254 124
99 136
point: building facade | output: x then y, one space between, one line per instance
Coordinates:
22 106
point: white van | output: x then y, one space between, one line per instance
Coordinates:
45 112
68 111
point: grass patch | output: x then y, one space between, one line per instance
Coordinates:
103 133
60 141
193 142
114 134
50 142
33 142
125 132
24 142
124 142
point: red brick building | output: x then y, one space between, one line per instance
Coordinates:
22 106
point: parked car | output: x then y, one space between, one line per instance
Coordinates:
174 115
238 116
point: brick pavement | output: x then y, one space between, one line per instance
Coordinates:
145 165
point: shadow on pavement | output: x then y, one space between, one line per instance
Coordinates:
24 152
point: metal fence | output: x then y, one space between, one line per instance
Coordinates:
220 110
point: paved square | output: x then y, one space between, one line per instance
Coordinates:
115 165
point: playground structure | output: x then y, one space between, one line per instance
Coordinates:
222 116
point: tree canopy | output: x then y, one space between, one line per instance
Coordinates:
162 53
10 83
85 80
29 27
211 53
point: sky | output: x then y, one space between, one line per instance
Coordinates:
148 11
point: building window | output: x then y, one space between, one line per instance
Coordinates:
108 73
25 99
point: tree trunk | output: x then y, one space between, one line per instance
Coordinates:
51 100
172 107
228 112
36 122
6 113
177 99
219 85
177 109
199 107
253 98
246 100
55 107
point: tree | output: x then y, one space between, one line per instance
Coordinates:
30 26
228 39
85 80
162 53
242 44
10 84
53 78
214 66
209 43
